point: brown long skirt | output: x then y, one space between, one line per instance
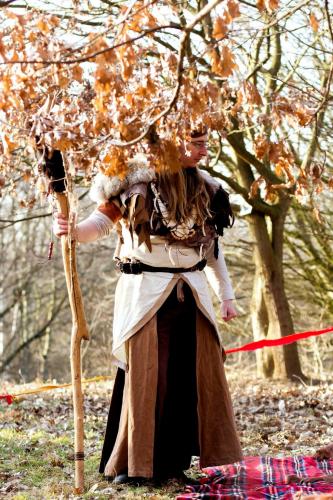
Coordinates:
174 400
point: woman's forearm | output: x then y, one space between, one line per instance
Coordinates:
218 276
96 226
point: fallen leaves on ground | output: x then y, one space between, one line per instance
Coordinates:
36 435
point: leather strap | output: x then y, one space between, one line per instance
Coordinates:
139 268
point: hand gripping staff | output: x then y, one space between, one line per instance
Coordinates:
60 185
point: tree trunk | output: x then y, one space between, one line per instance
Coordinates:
271 316
260 322
2 332
46 341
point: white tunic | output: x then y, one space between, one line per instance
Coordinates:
138 297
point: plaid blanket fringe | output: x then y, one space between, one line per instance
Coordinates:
262 478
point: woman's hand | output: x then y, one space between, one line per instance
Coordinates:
60 225
228 310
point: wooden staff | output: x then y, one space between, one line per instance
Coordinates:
55 170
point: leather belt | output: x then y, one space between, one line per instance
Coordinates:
139 268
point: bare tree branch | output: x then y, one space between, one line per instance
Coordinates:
88 57
4 4
40 333
330 72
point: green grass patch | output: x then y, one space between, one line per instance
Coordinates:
36 450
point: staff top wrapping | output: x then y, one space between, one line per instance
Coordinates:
53 167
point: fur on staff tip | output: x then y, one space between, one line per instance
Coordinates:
53 167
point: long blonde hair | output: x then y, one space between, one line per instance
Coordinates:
185 192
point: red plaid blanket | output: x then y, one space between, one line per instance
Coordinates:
263 478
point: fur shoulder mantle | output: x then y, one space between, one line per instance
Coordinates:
213 183
105 187
222 215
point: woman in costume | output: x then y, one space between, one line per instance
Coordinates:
170 399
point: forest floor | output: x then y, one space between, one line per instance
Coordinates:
36 435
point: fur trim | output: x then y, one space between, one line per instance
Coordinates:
214 184
105 187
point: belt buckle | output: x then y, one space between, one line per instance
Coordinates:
201 265
125 267
130 267
135 267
